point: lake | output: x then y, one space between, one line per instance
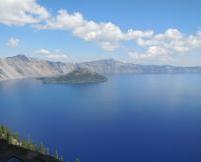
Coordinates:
129 118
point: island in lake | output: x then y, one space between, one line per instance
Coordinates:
78 76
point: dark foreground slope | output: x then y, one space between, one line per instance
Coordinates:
9 151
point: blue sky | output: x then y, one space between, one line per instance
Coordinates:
138 31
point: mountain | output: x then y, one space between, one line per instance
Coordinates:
117 67
110 66
77 76
20 66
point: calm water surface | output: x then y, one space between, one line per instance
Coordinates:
139 118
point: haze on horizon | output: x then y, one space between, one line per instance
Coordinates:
137 31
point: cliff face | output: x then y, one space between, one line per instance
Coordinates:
20 66
8 151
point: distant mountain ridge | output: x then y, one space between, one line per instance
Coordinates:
20 66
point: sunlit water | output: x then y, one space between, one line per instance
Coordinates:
130 118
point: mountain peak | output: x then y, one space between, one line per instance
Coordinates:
20 57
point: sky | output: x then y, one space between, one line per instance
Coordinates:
137 31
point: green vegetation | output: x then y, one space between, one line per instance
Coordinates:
14 139
78 76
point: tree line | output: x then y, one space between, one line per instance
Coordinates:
14 139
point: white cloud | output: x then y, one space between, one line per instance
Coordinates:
53 55
136 34
13 42
164 46
173 39
87 30
152 54
109 46
21 12
106 34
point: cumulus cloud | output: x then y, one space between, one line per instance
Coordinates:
21 12
137 34
53 55
13 42
109 46
106 34
173 39
164 46
152 54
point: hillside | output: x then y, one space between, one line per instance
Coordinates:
20 66
9 151
11 145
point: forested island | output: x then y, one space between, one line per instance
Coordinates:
78 76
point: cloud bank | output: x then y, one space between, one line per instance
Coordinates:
55 55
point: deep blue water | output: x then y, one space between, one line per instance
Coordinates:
139 118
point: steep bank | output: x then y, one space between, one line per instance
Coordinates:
9 151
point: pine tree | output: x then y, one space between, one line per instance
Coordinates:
56 155
61 158
41 148
8 137
77 160
1 131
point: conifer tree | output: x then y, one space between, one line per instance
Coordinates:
77 160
